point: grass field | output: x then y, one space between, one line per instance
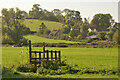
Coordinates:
37 39
34 24
99 58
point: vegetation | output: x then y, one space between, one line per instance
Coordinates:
83 56
37 39
92 61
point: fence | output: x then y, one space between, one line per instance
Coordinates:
37 56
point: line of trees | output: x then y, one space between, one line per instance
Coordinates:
74 27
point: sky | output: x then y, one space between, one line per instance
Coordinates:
87 8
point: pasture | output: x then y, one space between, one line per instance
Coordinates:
34 24
38 39
97 58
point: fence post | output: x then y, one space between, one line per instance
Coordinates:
47 55
43 46
55 55
30 50
44 50
59 56
51 55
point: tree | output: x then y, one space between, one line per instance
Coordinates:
115 37
42 28
74 33
65 30
14 29
69 22
35 12
111 33
101 35
16 32
20 14
57 12
84 28
91 33
72 14
101 21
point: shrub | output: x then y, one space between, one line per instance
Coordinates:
25 68
91 33
47 31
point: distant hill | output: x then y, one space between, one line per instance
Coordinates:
34 24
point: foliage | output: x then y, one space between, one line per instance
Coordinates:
84 28
65 30
63 37
101 21
111 33
74 33
12 27
91 33
35 13
101 35
116 37
26 68
42 28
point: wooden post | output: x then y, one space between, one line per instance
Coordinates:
30 50
44 50
51 55
47 55
55 55
43 46
59 56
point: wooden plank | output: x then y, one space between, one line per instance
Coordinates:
36 52
47 55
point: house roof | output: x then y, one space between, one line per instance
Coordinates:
94 36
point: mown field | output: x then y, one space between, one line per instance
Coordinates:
97 58
38 39
34 24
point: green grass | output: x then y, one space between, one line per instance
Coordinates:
37 39
99 58
34 24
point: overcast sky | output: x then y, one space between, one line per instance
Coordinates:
87 8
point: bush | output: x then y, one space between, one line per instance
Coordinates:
26 68
63 37
23 41
91 33
90 40
54 65
47 31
